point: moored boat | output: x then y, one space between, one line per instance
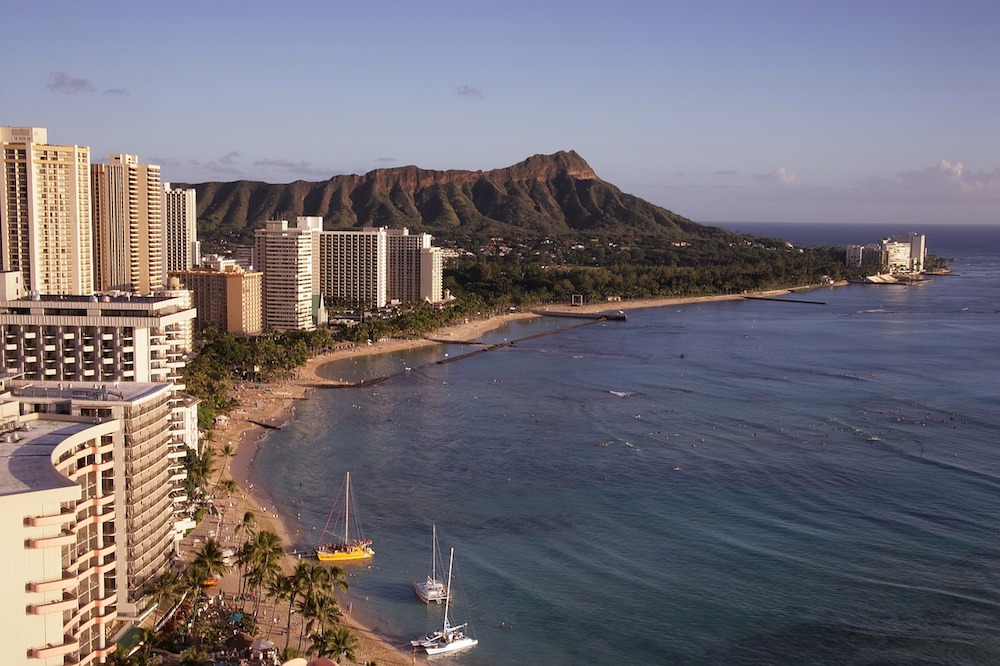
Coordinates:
432 589
449 638
346 549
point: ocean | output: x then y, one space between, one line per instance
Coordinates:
739 482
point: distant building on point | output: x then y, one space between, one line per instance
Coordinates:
896 255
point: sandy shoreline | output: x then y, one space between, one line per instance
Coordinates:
274 403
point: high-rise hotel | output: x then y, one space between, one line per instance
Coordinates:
45 214
128 226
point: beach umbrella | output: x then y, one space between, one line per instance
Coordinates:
236 617
298 661
262 644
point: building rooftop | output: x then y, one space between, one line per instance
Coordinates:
87 391
26 456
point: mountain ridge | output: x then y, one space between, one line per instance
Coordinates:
544 195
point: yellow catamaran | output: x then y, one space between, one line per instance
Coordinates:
348 550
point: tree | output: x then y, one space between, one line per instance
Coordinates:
166 587
336 643
261 558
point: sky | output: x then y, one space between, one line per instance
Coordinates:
738 110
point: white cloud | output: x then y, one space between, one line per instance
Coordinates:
945 181
781 177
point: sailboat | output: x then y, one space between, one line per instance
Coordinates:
347 550
432 589
448 638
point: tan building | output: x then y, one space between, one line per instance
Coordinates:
128 226
226 297
45 214
86 515
180 229
285 258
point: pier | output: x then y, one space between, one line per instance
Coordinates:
600 316
783 300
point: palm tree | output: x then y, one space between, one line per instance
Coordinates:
261 558
248 525
227 453
337 643
319 607
195 657
281 588
210 559
166 587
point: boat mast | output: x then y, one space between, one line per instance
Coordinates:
347 505
434 552
447 597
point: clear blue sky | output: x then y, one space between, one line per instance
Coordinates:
798 110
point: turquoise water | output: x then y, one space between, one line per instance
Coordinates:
743 482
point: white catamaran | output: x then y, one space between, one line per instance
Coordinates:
448 638
432 589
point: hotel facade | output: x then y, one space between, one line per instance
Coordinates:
127 203
45 213
86 512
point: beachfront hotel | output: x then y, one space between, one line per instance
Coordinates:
45 212
353 267
181 249
415 267
106 341
86 515
224 295
285 257
127 203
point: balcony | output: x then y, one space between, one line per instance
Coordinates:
68 602
64 516
69 644
65 538
67 581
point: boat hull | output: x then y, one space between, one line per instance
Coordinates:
349 555
431 591
451 646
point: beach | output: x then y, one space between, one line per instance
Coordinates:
274 404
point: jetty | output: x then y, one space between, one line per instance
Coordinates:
783 300
599 316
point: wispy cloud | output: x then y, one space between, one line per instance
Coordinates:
217 166
229 158
948 181
470 91
727 172
61 82
300 167
385 161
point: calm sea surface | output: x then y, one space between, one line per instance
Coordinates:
743 482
